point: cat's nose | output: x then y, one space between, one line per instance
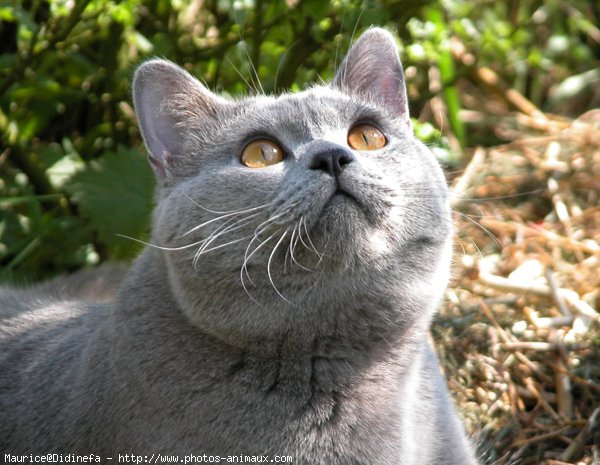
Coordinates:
331 160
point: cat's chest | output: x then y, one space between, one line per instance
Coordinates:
319 407
322 428
312 412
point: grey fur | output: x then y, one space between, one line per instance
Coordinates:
317 348
97 285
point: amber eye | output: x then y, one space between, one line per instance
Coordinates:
365 137
261 153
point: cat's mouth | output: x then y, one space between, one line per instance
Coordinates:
342 203
342 195
342 198
349 201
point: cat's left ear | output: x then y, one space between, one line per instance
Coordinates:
372 70
166 98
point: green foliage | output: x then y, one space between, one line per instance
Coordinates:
113 195
68 185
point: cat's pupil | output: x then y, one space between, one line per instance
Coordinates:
261 153
269 152
366 137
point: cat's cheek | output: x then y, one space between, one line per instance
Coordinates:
378 244
424 271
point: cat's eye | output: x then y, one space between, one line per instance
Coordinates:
365 137
261 153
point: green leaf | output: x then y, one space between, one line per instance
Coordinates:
115 195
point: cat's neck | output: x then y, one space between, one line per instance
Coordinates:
299 356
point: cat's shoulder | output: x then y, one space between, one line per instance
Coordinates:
60 298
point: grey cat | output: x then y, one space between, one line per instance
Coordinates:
300 246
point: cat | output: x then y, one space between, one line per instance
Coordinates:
91 285
299 249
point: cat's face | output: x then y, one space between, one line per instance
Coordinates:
280 201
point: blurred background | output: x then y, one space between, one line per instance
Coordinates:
506 94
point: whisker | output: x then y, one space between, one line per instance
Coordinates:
220 246
464 252
266 224
228 215
240 223
242 43
498 197
300 235
293 243
337 47
281 59
362 10
257 232
168 249
269 266
244 268
285 261
226 227
483 228
247 257
217 212
252 88
320 255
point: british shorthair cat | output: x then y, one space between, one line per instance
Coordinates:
299 249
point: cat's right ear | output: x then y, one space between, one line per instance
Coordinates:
372 70
165 97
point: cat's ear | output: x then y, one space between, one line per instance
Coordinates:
372 70
165 97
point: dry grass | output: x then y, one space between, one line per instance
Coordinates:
519 330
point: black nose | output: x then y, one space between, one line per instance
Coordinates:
332 161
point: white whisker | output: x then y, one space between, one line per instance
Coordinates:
267 223
247 257
227 215
195 202
154 246
239 224
312 246
220 246
483 228
269 266
292 246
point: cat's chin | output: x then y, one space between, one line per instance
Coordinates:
343 229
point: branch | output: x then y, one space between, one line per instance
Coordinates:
27 59
578 305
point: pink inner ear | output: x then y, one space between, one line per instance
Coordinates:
389 89
372 68
165 95
393 96
158 167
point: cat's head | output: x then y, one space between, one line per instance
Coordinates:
277 208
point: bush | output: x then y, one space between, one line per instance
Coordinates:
72 171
